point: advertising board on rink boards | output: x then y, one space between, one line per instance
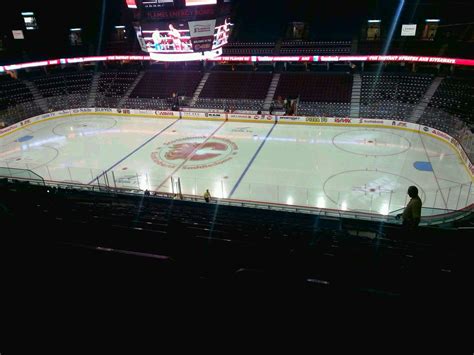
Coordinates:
193 115
9 129
167 114
203 115
345 121
49 115
251 117
317 120
105 109
291 119
215 115
138 112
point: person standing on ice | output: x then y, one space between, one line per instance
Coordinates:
207 196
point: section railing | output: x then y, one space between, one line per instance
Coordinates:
376 206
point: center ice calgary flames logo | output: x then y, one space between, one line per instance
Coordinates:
204 151
195 152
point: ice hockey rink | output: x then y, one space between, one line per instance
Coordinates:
345 168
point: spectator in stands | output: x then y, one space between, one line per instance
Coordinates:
272 108
147 193
412 214
289 107
207 196
353 68
280 101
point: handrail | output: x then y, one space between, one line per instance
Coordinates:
25 172
325 212
464 209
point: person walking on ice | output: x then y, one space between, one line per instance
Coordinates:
207 196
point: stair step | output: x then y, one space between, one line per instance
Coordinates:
93 90
424 102
199 88
271 91
355 96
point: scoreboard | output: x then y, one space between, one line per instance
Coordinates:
181 30
200 2
134 4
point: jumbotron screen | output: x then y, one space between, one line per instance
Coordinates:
134 4
181 30
156 4
183 36
200 2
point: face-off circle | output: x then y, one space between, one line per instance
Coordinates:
358 189
84 126
33 158
197 152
